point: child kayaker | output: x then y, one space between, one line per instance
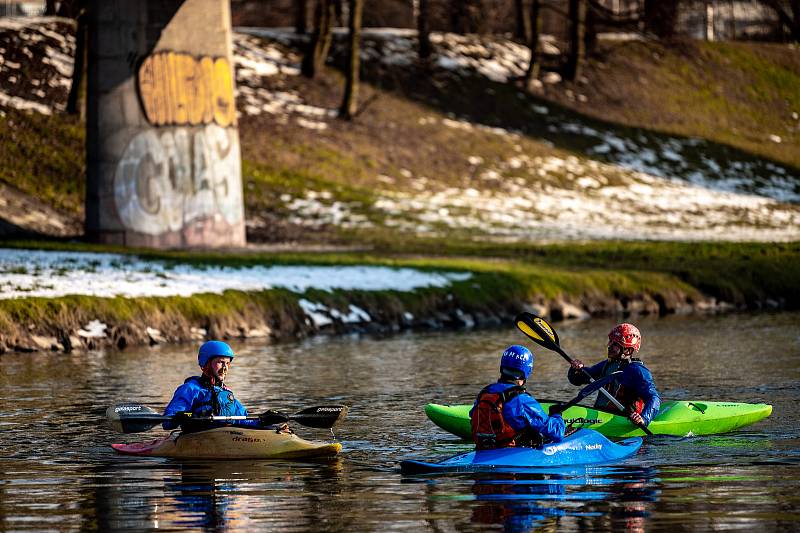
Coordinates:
505 415
634 388
207 395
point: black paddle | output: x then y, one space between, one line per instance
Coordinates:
540 332
584 392
135 418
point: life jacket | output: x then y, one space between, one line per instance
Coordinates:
489 428
626 397
216 400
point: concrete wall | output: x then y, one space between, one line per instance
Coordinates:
163 158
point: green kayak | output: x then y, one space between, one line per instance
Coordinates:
680 418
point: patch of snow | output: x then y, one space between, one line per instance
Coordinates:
317 312
24 105
311 124
93 330
29 273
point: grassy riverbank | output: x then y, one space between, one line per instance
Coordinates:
627 279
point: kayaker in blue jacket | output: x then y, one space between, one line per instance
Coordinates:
634 388
505 415
207 395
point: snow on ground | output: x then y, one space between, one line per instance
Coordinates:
48 45
502 61
552 198
28 273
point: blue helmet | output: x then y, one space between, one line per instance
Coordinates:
212 349
516 362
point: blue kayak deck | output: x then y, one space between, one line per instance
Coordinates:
585 446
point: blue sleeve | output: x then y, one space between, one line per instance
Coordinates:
645 388
241 410
576 377
182 400
524 412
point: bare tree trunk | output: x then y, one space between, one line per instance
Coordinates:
458 16
577 43
339 10
300 15
350 101
709 20
76 101
661 17
71 8
523 26
466 16
423 29
534 65
320 44
590 31
476 16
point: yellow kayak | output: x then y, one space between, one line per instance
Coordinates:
232 443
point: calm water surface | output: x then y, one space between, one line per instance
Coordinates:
58 473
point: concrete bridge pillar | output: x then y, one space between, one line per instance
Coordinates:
163 161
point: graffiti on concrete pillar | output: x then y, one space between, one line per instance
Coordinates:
167 179
179 89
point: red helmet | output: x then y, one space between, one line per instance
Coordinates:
626 335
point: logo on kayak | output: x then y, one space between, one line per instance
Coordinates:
127 408
560 447
246 439
597 446
581 420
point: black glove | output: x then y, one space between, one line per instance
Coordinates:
555 410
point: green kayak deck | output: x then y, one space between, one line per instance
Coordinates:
679 418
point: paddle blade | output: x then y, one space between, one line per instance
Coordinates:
270 417
132 417
538 330
322 416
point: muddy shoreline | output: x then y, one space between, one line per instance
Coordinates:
286 316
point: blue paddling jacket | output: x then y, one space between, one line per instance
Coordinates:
634 388
523 412
200 398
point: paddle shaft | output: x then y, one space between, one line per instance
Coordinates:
587 390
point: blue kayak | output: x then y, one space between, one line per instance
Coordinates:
585 446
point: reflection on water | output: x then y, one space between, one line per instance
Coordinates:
57 471
211 495
590 498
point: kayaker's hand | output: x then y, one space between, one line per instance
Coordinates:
576 364
637 419
555 409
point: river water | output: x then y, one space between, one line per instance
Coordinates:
57 471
